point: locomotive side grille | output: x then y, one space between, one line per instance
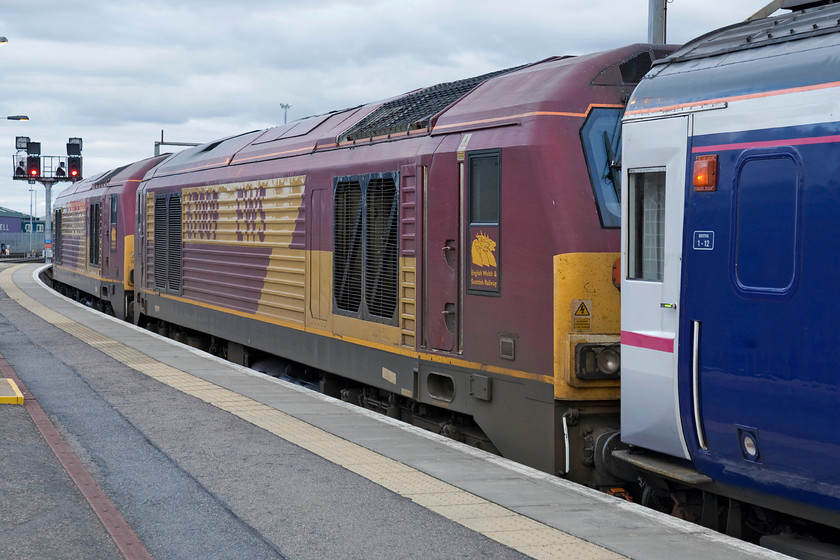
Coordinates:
173 272
366 256
59 234
381 262
93 234
347 252
160 243
167 243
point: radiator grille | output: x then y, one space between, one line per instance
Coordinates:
167 243
365 247
381 262
347 253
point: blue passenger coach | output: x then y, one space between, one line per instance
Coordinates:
730 263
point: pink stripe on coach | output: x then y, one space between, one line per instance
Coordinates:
647 342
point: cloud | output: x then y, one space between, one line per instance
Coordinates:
117 73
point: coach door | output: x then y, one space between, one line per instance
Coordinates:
653 193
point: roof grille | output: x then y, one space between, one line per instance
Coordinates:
106 178
415 110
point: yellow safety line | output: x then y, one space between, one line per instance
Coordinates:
9 392
519 532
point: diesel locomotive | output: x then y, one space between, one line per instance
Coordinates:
445 256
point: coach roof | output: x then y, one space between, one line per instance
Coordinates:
795 51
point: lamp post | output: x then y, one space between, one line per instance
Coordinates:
31 225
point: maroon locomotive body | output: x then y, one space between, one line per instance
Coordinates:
444 256
94 237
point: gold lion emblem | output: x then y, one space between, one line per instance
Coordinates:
484 251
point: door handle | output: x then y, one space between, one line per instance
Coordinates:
695 385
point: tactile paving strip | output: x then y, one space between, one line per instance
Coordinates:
519 532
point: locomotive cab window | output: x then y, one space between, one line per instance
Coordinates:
601 139
646 230
112 233
484 179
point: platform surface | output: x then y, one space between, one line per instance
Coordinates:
206 459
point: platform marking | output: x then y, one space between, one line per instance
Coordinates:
124 537
500 524
9 392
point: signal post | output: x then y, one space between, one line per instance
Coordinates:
29 165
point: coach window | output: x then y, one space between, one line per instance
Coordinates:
484 178
93 232
768 192
646 227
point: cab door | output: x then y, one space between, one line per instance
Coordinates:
442 252
653 194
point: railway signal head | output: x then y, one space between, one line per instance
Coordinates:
74 167
33 166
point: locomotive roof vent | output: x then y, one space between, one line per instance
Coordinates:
106 178
414 110
633 70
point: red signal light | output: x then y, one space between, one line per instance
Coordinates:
74 167
33 166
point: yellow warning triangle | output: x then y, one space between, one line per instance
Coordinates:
582 311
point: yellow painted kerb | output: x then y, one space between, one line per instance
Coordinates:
9 392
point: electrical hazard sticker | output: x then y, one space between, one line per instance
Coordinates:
581 315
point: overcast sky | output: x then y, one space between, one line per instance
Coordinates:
117 73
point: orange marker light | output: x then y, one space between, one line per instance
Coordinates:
705 173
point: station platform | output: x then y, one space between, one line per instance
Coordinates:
206 459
